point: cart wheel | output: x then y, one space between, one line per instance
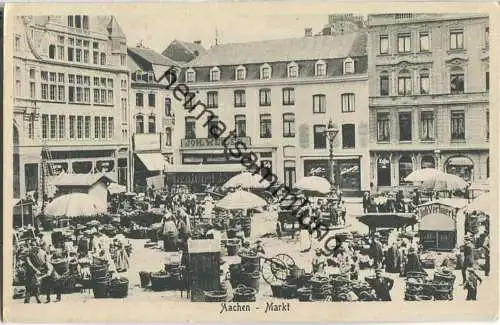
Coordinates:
287 259
274 271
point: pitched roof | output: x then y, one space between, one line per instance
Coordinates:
183 51
152 56
292 49
114 28
132 65
193 47
79 179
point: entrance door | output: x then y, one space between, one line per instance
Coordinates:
446 240
383 172
289 177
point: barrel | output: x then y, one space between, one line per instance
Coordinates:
244 294
215 296
277 291
118 288
145 278
251 279
250 262
235 272
100 289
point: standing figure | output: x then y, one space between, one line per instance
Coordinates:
382 286
376 252
472 283
468 256
318 262
34 267
366 202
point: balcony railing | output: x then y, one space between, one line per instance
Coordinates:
203 143
418 99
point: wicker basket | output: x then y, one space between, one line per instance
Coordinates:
98 271
244 294
118 288
160 281
215 296
61 266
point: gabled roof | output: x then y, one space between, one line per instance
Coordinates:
80 179
285 50
183 51
114 28
151 56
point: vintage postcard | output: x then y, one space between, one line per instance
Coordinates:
256 161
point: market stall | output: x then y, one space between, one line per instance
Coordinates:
204 269
376 221
442 224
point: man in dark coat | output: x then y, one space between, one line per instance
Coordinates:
468 257
376 251
382 286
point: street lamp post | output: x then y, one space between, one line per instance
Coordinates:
331 132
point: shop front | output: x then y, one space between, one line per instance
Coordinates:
347 173
442 224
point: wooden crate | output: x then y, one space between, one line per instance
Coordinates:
204 275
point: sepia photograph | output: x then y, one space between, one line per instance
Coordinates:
250 162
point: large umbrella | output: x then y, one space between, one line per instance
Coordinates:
313 184
74 205
247 180
114 188
484 203
436 179
241 200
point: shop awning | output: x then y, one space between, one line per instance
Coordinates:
437 222
153 161
388 220
460 161
208 168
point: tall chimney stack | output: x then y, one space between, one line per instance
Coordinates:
308 32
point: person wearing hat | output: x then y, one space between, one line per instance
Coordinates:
471 284
468 256
382 286
259 248
318 262
245 247
376 252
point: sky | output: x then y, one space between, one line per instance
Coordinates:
157 31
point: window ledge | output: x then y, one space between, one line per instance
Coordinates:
428 141
457 141
289 104
405 141
383 141
348 111
424 52
319 112
456 51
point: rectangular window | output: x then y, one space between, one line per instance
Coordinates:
288 96
239 98
78 55
319 103
60 52
240 74
424 84
456 39
110 97
214 75
124 109
266 73
53 126
190 128
45 91
241 125
288 125
79 127
70 21
71 94
384 44
319 136
123 59
45 126
72 126
86 56
404 126
32 90
404 43
79 94
87 127
265 97
265 126
348 104
383 127
348 136
103 127
168 106
86 95
212 100
151 100
103 96
95 57
458 125
486 37
96 96
487 80
487 125
457 83
97 127
70 54
404 86
384 85
427 126
111 127
62 127
424 44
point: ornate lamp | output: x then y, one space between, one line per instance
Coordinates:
330 133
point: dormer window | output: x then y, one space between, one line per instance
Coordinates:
240 73
190 75
265 72
293 70
214 74
320 68
348 66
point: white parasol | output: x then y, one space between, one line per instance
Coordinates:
436 179
74 205
114 188
484 203
241 200
247 180
313 184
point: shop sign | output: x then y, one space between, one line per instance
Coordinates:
384 163
436 209
213 142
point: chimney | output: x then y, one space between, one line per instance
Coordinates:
308 32
197 42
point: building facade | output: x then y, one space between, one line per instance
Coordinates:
70 76
278 96
152 115
429 96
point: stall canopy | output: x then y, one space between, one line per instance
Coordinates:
153 161
437 222
388 220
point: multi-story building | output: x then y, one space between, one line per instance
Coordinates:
70 76
279 96
429 95
152 115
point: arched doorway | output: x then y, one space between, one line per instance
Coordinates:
461 166
16 167
383 171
